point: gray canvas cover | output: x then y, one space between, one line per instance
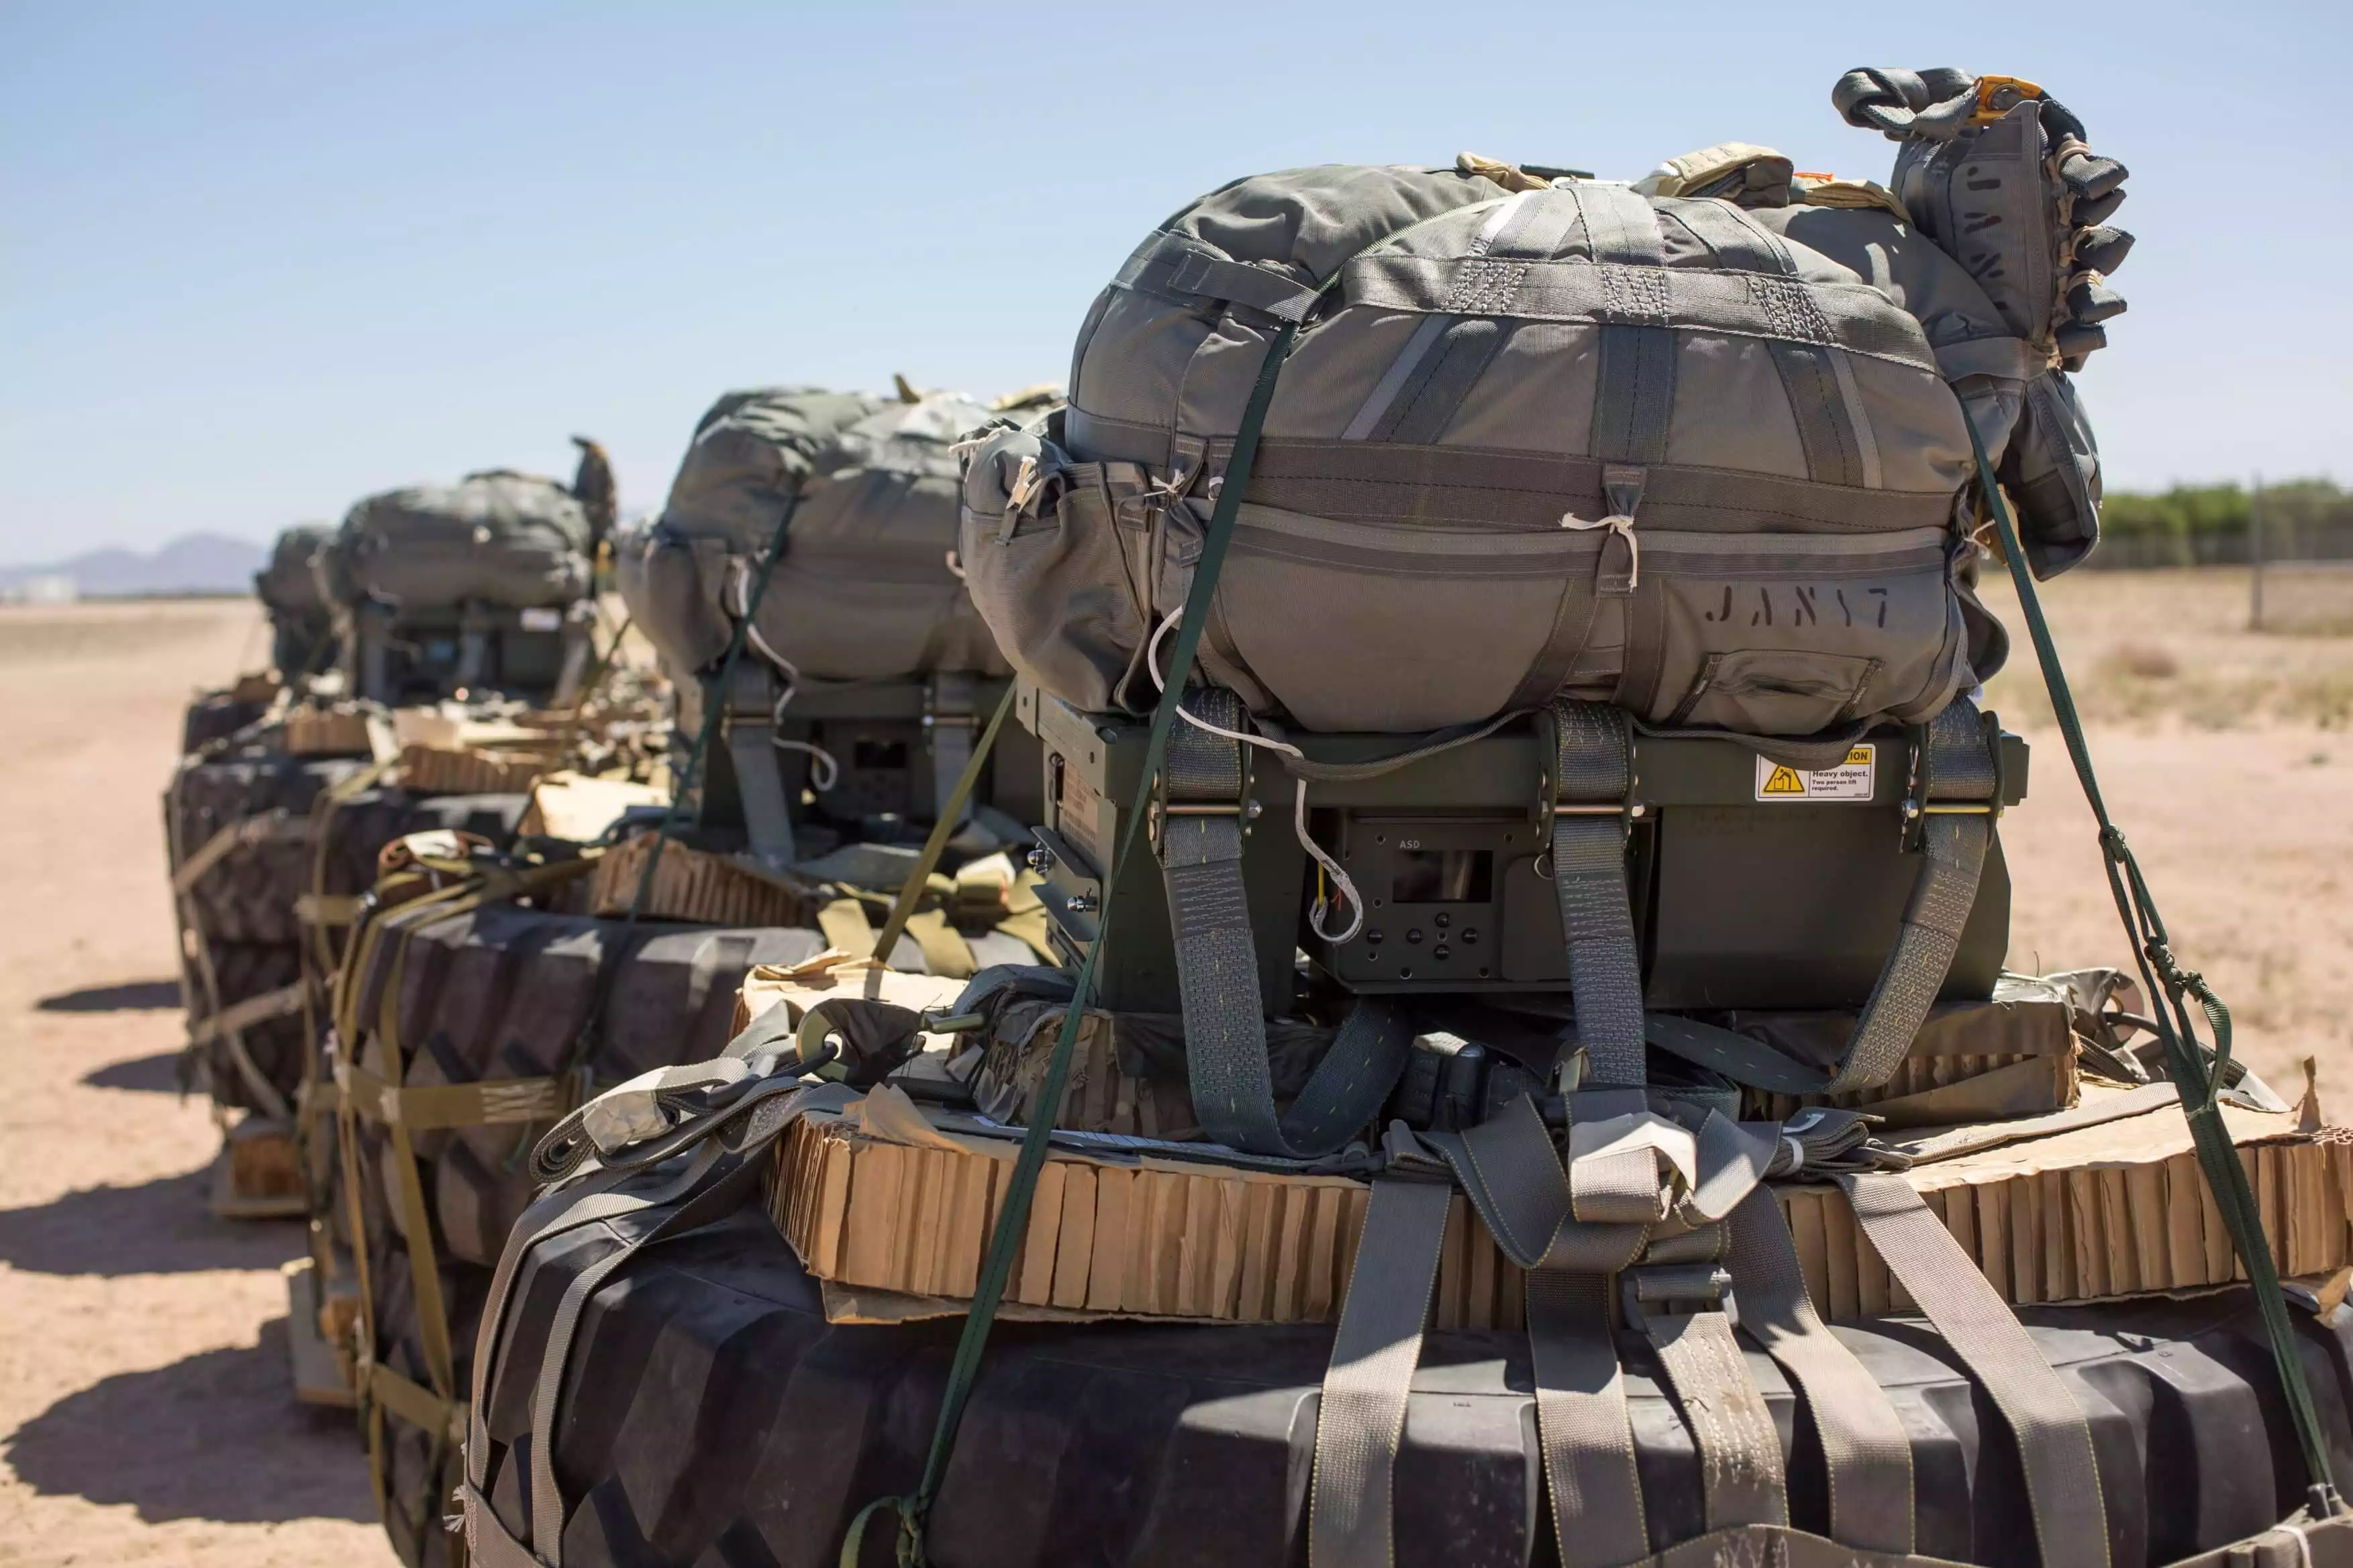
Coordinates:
497 538
867 588
1536 436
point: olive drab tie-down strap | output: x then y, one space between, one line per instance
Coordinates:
2054 1440
747 695
1593 787
721 1167
1203 826
1360 1422
1949 812
951 714
1957 761
1013 1218
1866 1451
1639 1208
2197 1071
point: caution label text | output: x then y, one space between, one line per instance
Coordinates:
1850 780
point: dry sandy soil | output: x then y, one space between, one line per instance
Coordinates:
144 1406
143 1403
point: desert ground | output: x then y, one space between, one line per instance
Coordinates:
144 1412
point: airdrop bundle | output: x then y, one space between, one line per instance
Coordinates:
1427 843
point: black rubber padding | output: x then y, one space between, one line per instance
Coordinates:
711 1416
502 993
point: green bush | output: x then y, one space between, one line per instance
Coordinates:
2188 512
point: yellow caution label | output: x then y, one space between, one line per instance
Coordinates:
1853 779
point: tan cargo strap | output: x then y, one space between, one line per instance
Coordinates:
318 1097
1360 1422
946 952
845 926
235 835
237 1018
416 1404
1866 1451
328 909
2054 1440
426 1107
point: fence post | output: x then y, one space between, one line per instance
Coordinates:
2255 552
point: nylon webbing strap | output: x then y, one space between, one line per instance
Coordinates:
488 1543
689 779
2188 1061
426 1107
236 835
1201 842
1013 1219
240 1016
1956 828
584 1202
1739 1451
1581 1421
474 652
1865 1452
546 1495
1510 1170
953 710
1360 1422
951 812
2054 1440
760 788
1634 390
416 1404
1593 780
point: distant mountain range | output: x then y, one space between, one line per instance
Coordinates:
198 563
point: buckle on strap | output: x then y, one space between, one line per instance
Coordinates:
1207 774
1944 744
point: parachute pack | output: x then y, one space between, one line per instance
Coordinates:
482 584
870 671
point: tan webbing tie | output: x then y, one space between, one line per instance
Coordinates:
946 952
2054 1440
1361 1421
845 926
1865 1452
235 1019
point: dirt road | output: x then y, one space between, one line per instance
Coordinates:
144 1416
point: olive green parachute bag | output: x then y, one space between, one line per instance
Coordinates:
293 590
497 538
1539 435
868 587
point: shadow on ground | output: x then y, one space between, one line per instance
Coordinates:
158 1074
156 1227
190 1439
132 996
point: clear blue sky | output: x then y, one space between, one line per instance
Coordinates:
261 258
